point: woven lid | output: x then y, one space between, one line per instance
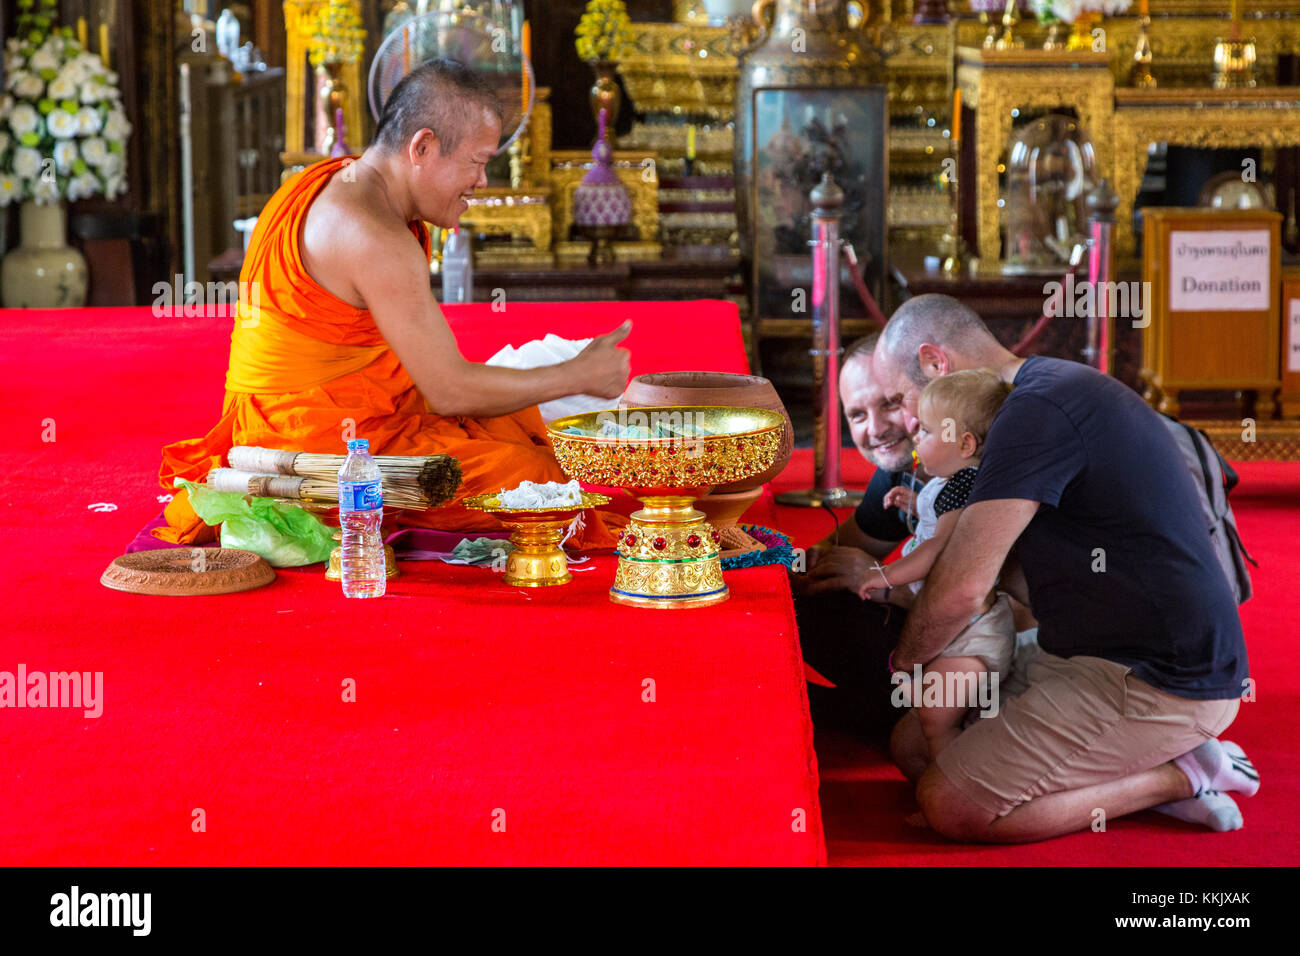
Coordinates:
188 571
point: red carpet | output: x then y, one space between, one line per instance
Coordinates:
478 698
476 704
864 798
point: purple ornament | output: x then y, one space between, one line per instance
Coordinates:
341 147
601 199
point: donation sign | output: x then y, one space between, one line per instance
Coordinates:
1219 271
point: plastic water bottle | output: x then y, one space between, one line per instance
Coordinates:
361 510
457 268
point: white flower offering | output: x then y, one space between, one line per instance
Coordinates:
550 494
61 103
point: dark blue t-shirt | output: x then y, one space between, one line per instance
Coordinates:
1115 494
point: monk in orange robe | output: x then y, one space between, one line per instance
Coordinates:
338 334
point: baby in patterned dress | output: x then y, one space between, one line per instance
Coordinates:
955 413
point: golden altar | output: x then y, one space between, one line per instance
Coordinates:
1260 117
996 85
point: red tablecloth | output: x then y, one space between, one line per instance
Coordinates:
490 724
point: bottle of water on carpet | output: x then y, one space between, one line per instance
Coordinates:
361 510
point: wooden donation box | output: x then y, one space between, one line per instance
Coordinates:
1212 315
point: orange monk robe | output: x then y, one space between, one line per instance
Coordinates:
306 369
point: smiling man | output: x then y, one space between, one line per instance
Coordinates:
345 338
844 638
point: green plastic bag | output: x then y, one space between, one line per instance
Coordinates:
282 533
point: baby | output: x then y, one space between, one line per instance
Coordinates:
955 413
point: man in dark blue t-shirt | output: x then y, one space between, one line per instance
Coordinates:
1144 661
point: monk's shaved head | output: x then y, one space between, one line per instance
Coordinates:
442 95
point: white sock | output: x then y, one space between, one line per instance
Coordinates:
1212 766
1213 809
1241 763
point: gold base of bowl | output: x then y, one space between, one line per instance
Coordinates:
334 570
537 561
668 557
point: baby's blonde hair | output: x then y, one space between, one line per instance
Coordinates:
971 398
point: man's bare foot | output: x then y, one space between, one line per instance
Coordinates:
917 820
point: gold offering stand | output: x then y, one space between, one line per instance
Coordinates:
668 554
537 560
328 513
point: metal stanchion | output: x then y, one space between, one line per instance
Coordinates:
1102 202
187 175
828 201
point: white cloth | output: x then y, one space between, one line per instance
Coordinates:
549 494
551 350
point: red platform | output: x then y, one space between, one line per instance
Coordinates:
491 724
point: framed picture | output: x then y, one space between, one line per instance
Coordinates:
800 133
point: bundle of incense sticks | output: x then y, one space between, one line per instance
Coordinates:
410 481
298 488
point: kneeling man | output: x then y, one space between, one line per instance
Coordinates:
1143 662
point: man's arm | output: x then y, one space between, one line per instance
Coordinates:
393 280
962 577
850 535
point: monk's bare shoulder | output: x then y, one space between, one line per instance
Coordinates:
346 230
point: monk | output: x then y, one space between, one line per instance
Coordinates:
345 339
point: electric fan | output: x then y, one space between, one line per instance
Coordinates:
474 40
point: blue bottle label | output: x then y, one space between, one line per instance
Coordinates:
361 495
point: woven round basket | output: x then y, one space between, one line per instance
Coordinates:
188 571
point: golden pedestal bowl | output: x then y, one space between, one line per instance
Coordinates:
538 560
668 554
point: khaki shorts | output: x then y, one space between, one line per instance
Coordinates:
1082 721
991 637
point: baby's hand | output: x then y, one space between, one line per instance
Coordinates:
869 593
900 497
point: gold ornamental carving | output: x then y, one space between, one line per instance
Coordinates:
695 463
501 211
993 83
637 171
299 80
1261 117
662 565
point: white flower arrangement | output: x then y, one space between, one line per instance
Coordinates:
63 130
1068 10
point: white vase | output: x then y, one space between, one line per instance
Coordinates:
44 272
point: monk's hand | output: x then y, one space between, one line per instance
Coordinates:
602 368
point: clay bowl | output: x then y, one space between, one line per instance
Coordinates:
714 388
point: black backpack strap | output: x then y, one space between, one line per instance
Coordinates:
1230 477
1237 542
1205 465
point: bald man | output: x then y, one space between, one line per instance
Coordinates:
345 338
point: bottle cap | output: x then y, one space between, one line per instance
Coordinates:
359 444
